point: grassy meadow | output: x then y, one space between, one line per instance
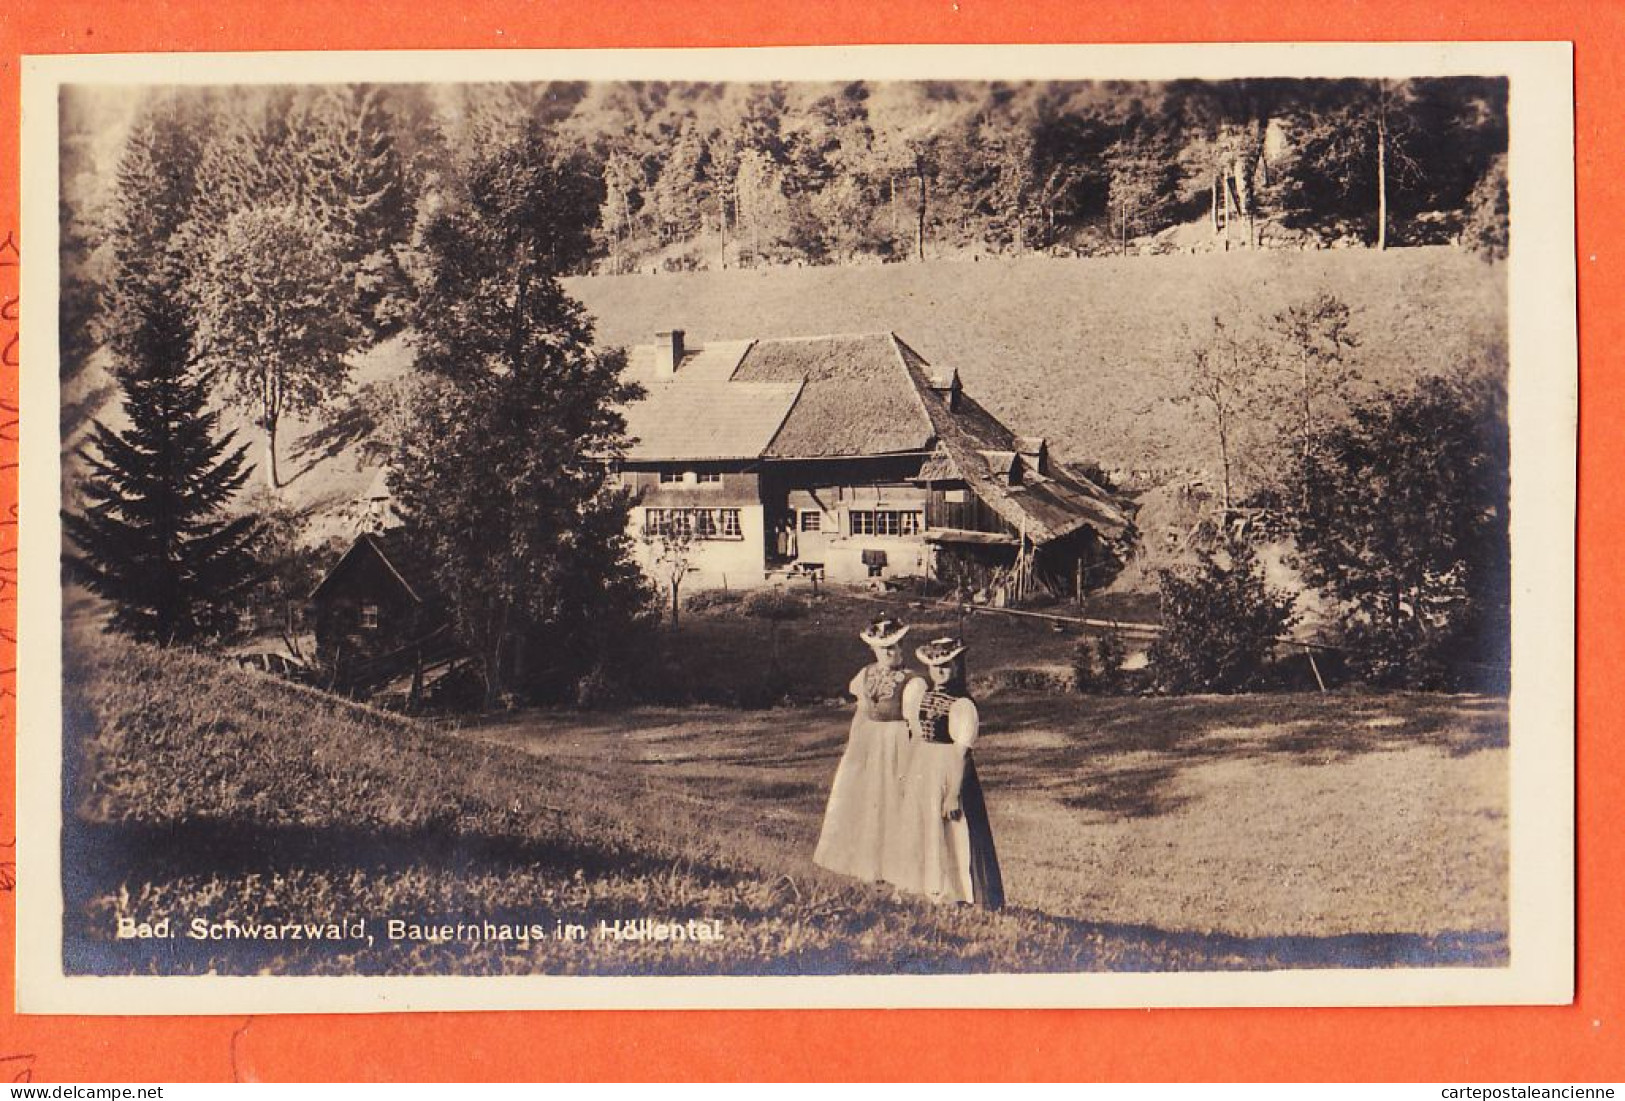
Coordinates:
1136 834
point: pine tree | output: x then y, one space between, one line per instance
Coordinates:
363 194
154 539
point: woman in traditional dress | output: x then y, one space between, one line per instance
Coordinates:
943 844
863 800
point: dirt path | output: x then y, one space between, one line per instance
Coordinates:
1288 815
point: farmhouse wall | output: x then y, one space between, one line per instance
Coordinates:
844 549
734 563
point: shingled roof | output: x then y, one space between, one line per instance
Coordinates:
694 419
857 397
852 396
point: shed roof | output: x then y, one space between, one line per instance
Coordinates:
394 551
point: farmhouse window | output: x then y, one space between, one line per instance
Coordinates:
811 520
885 521
369 617
667 477
698 523
713 478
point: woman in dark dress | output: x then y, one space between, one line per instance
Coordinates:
944 844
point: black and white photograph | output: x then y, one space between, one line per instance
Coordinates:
1062 522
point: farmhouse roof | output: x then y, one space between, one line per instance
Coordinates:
857 397
712 362
698 419
850 396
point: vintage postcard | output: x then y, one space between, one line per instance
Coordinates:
1042 526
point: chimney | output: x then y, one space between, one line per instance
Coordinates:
668 353
1034 452
945 381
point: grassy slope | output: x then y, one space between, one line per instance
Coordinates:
1084 351
244 798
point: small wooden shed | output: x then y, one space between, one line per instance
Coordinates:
379 616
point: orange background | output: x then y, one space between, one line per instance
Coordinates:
1574 1043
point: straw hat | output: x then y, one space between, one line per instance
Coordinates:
884 631
940 651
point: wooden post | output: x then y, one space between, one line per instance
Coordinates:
1313 668
1077 583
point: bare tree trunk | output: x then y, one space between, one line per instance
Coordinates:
493 662
892 180
1303 439
1213 205
676 584
1382 178
919 226
272 475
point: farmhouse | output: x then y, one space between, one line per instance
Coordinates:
848 457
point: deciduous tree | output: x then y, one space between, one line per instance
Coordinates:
274 317
502 478
1406 523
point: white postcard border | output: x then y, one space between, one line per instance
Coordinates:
1543 389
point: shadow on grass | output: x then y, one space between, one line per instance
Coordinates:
1182 733
342 432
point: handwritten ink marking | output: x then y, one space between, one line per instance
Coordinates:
8 869
20 1067
8 312
9 245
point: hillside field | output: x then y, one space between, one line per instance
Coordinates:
1204 833
1087 351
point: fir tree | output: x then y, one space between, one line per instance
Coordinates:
154 539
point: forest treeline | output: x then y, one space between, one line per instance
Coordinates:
693 175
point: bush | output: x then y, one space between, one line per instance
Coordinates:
706 599
1097 664
1219 624
598 688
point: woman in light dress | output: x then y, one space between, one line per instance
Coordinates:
941 844
859 837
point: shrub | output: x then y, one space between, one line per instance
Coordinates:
1097 664
598 688
707 599
1219 623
